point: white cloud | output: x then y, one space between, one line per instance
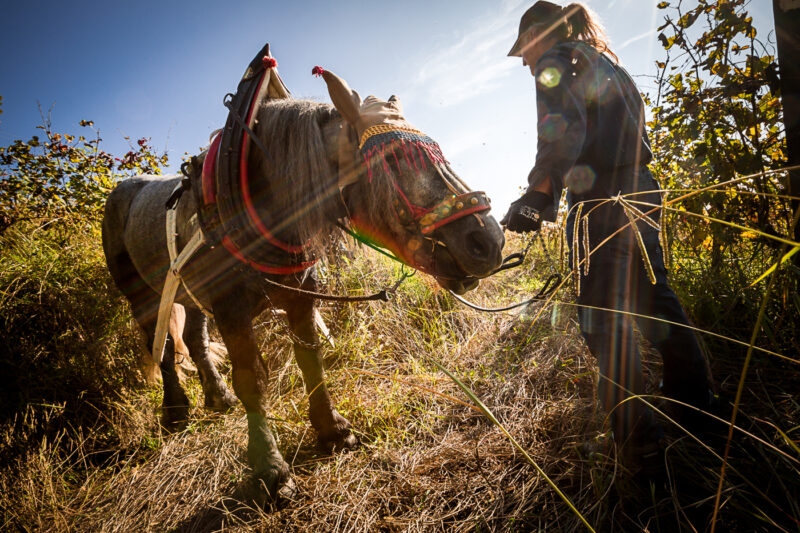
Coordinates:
636 38
474 65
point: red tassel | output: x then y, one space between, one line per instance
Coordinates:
383 156
369 168
269 62
405 153
317 71
421 156
397 161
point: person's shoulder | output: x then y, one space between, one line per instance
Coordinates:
565 61
561 52
572 55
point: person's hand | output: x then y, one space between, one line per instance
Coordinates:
527 213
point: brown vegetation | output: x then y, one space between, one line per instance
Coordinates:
428 460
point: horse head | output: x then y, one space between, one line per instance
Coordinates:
402 193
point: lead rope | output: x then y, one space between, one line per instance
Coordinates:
551 284
382 295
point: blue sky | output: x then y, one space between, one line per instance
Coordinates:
160 69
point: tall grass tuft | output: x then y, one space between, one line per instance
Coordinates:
68 363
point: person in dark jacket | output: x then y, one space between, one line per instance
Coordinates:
592 140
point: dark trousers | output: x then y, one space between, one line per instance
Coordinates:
618 281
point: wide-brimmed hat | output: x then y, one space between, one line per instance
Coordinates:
539 13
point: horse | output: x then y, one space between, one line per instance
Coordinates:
355 162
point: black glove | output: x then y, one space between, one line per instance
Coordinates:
527 213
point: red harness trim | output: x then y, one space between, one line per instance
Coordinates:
416 211
209 171
210 199
245 186
433 227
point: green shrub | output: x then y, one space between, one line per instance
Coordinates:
67 345
64 327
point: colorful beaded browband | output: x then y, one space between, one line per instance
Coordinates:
393 143
383 132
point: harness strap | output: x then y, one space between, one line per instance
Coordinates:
164 311
209 171
210 200
225 179
178 261
173 280
229 245
248 135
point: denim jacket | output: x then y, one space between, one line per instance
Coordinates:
591 132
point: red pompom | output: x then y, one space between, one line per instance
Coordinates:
269 62
317 71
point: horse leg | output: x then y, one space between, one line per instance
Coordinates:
144 304
217 395
333 430
177 322
250 376
175 406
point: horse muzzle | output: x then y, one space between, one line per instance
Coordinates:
470 247
462 252
458 286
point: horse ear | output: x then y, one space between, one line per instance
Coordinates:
395 101
344 99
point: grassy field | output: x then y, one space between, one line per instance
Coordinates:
81 448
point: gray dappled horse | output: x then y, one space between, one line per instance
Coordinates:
359 162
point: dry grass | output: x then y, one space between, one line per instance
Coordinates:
426 462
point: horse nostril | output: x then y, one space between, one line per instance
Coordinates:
477 245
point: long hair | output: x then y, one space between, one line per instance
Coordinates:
584 25
575 22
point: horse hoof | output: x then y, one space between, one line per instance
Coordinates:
221 403
333 431
287 492
273 486
339 443
175 418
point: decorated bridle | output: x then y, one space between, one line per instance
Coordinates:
382 143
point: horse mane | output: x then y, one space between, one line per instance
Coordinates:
296 187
